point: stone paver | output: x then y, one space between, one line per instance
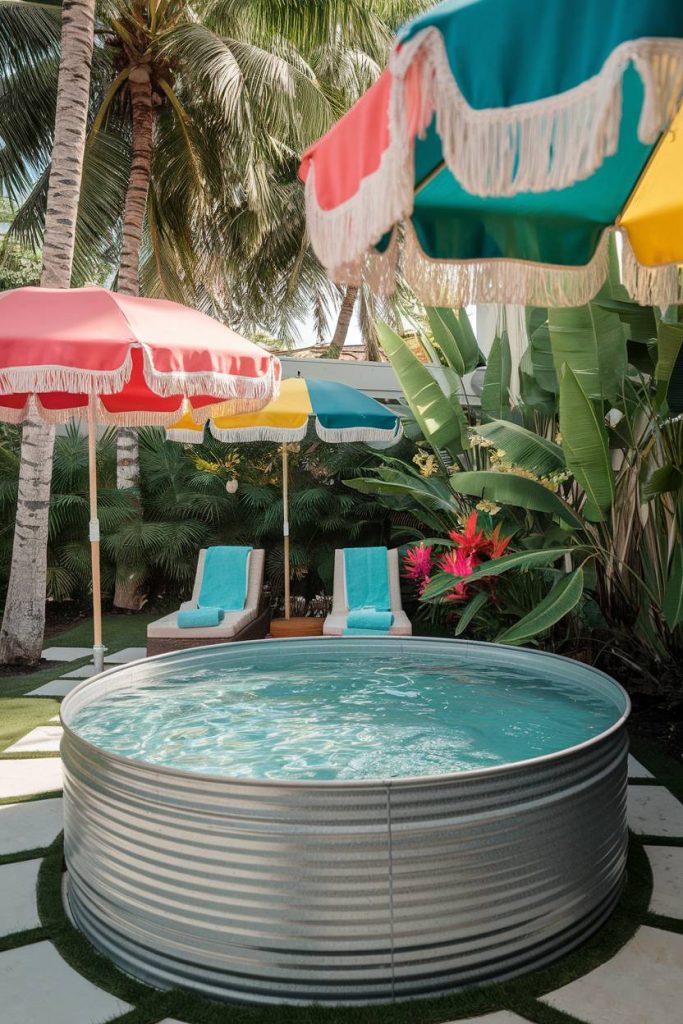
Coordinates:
65 653
503 1017
29 826
37 985
127 654
636 770
18 909
642 984
667 872
25 776
56 688
654 811
84 672
45 738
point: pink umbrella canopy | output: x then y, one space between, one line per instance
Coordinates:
117 359
137 361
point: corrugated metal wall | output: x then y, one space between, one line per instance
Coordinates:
341 892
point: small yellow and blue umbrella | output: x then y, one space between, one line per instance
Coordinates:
505 142
341 415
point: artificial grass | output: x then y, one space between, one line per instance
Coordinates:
18 717
119 631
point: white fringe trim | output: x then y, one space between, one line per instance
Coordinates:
650 286
221 385
141 418
184 436
243 435
350 435
461 283
552 143
532 147
252 392
341 236
66 379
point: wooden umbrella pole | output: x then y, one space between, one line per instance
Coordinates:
98 648
285 524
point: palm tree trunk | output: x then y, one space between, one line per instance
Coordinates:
343 323
23 624
127 594
140 88
373 353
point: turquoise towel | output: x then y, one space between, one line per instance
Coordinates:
364 632
368 618
367 579
196 618
224 581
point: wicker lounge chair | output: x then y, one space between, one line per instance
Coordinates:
335 623
250 623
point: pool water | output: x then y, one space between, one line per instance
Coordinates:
369 717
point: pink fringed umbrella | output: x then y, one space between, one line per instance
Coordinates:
123 360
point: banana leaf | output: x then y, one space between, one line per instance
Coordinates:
591 341
424 495
564 596
470 610
669 344
524 447
534 398
455 337
663 480
672 605
510 489
443 336
542 359
443 581
495 395
584 440
442 422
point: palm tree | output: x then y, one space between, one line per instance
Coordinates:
341 329
23 624
198 113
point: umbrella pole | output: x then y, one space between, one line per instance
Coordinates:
285 524
98 649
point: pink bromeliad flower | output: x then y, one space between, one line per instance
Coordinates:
497 544
417 564
458 563
470 540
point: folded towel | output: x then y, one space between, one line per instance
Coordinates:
365 632
367 578
368 618
225 578
197 618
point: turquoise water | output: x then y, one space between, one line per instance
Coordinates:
349 717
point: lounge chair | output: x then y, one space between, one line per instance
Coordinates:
336 621
249 623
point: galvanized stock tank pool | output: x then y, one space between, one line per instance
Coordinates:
343 820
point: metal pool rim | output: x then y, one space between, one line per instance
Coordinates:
381 642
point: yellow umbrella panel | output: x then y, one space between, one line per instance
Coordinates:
653 222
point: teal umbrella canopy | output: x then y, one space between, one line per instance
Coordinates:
505 138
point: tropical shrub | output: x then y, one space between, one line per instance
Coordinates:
586 469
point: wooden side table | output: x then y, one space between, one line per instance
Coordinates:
298 625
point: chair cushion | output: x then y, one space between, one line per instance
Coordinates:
335 624
233 622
